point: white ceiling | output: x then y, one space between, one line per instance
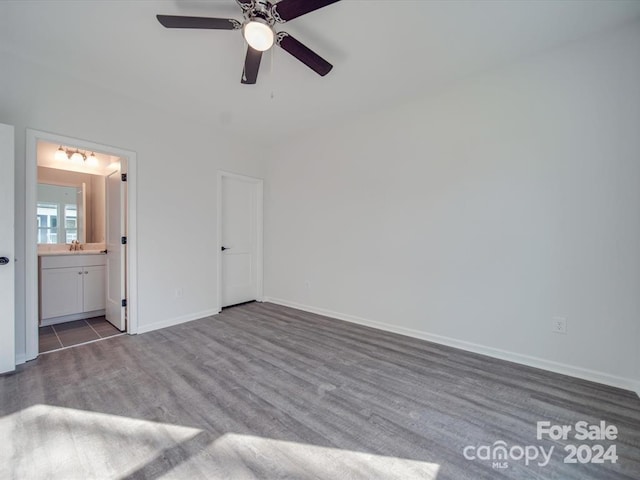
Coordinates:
382 51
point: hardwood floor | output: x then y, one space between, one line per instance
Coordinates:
264 391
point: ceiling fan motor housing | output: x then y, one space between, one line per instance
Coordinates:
261 9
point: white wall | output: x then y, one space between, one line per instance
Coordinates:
474 217
177 164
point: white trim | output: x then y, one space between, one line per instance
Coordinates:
219 240
260 232
31 253
132 243
562 368
31 248
83 343
177 320
260 242
8 248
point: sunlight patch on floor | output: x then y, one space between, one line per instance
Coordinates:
45 441
247 456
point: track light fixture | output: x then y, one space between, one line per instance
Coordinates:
75 155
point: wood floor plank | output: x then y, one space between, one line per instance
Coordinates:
269 392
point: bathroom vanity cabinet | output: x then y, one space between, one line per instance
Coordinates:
72 287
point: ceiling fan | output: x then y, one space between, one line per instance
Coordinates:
257 28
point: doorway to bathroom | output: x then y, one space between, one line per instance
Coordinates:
80 251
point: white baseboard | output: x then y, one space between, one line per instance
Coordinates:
562 368
21 358
177 320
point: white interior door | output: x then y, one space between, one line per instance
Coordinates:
7 299
241 203
116 251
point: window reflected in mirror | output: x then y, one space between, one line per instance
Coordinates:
58 213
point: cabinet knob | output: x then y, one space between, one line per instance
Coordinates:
79 273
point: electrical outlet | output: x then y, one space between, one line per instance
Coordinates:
307 284
559 325
179 292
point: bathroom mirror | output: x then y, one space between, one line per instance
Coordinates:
61 213
70 206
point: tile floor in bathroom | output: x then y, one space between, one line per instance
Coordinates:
67 334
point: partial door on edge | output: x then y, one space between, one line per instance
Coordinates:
241 239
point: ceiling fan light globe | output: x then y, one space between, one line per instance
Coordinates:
258 35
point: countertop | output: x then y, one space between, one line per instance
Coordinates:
75 252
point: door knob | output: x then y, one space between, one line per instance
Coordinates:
224 248
4 260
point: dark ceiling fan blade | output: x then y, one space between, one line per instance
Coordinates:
251 66
311 59
286 10
245 4
176 21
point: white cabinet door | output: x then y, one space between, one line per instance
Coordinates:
61 292
94 288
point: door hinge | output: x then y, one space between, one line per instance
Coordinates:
124 302
123 240
123 176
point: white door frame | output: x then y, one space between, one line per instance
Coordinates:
31 249
259 231
7 249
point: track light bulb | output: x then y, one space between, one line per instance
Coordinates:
60 154
77 157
